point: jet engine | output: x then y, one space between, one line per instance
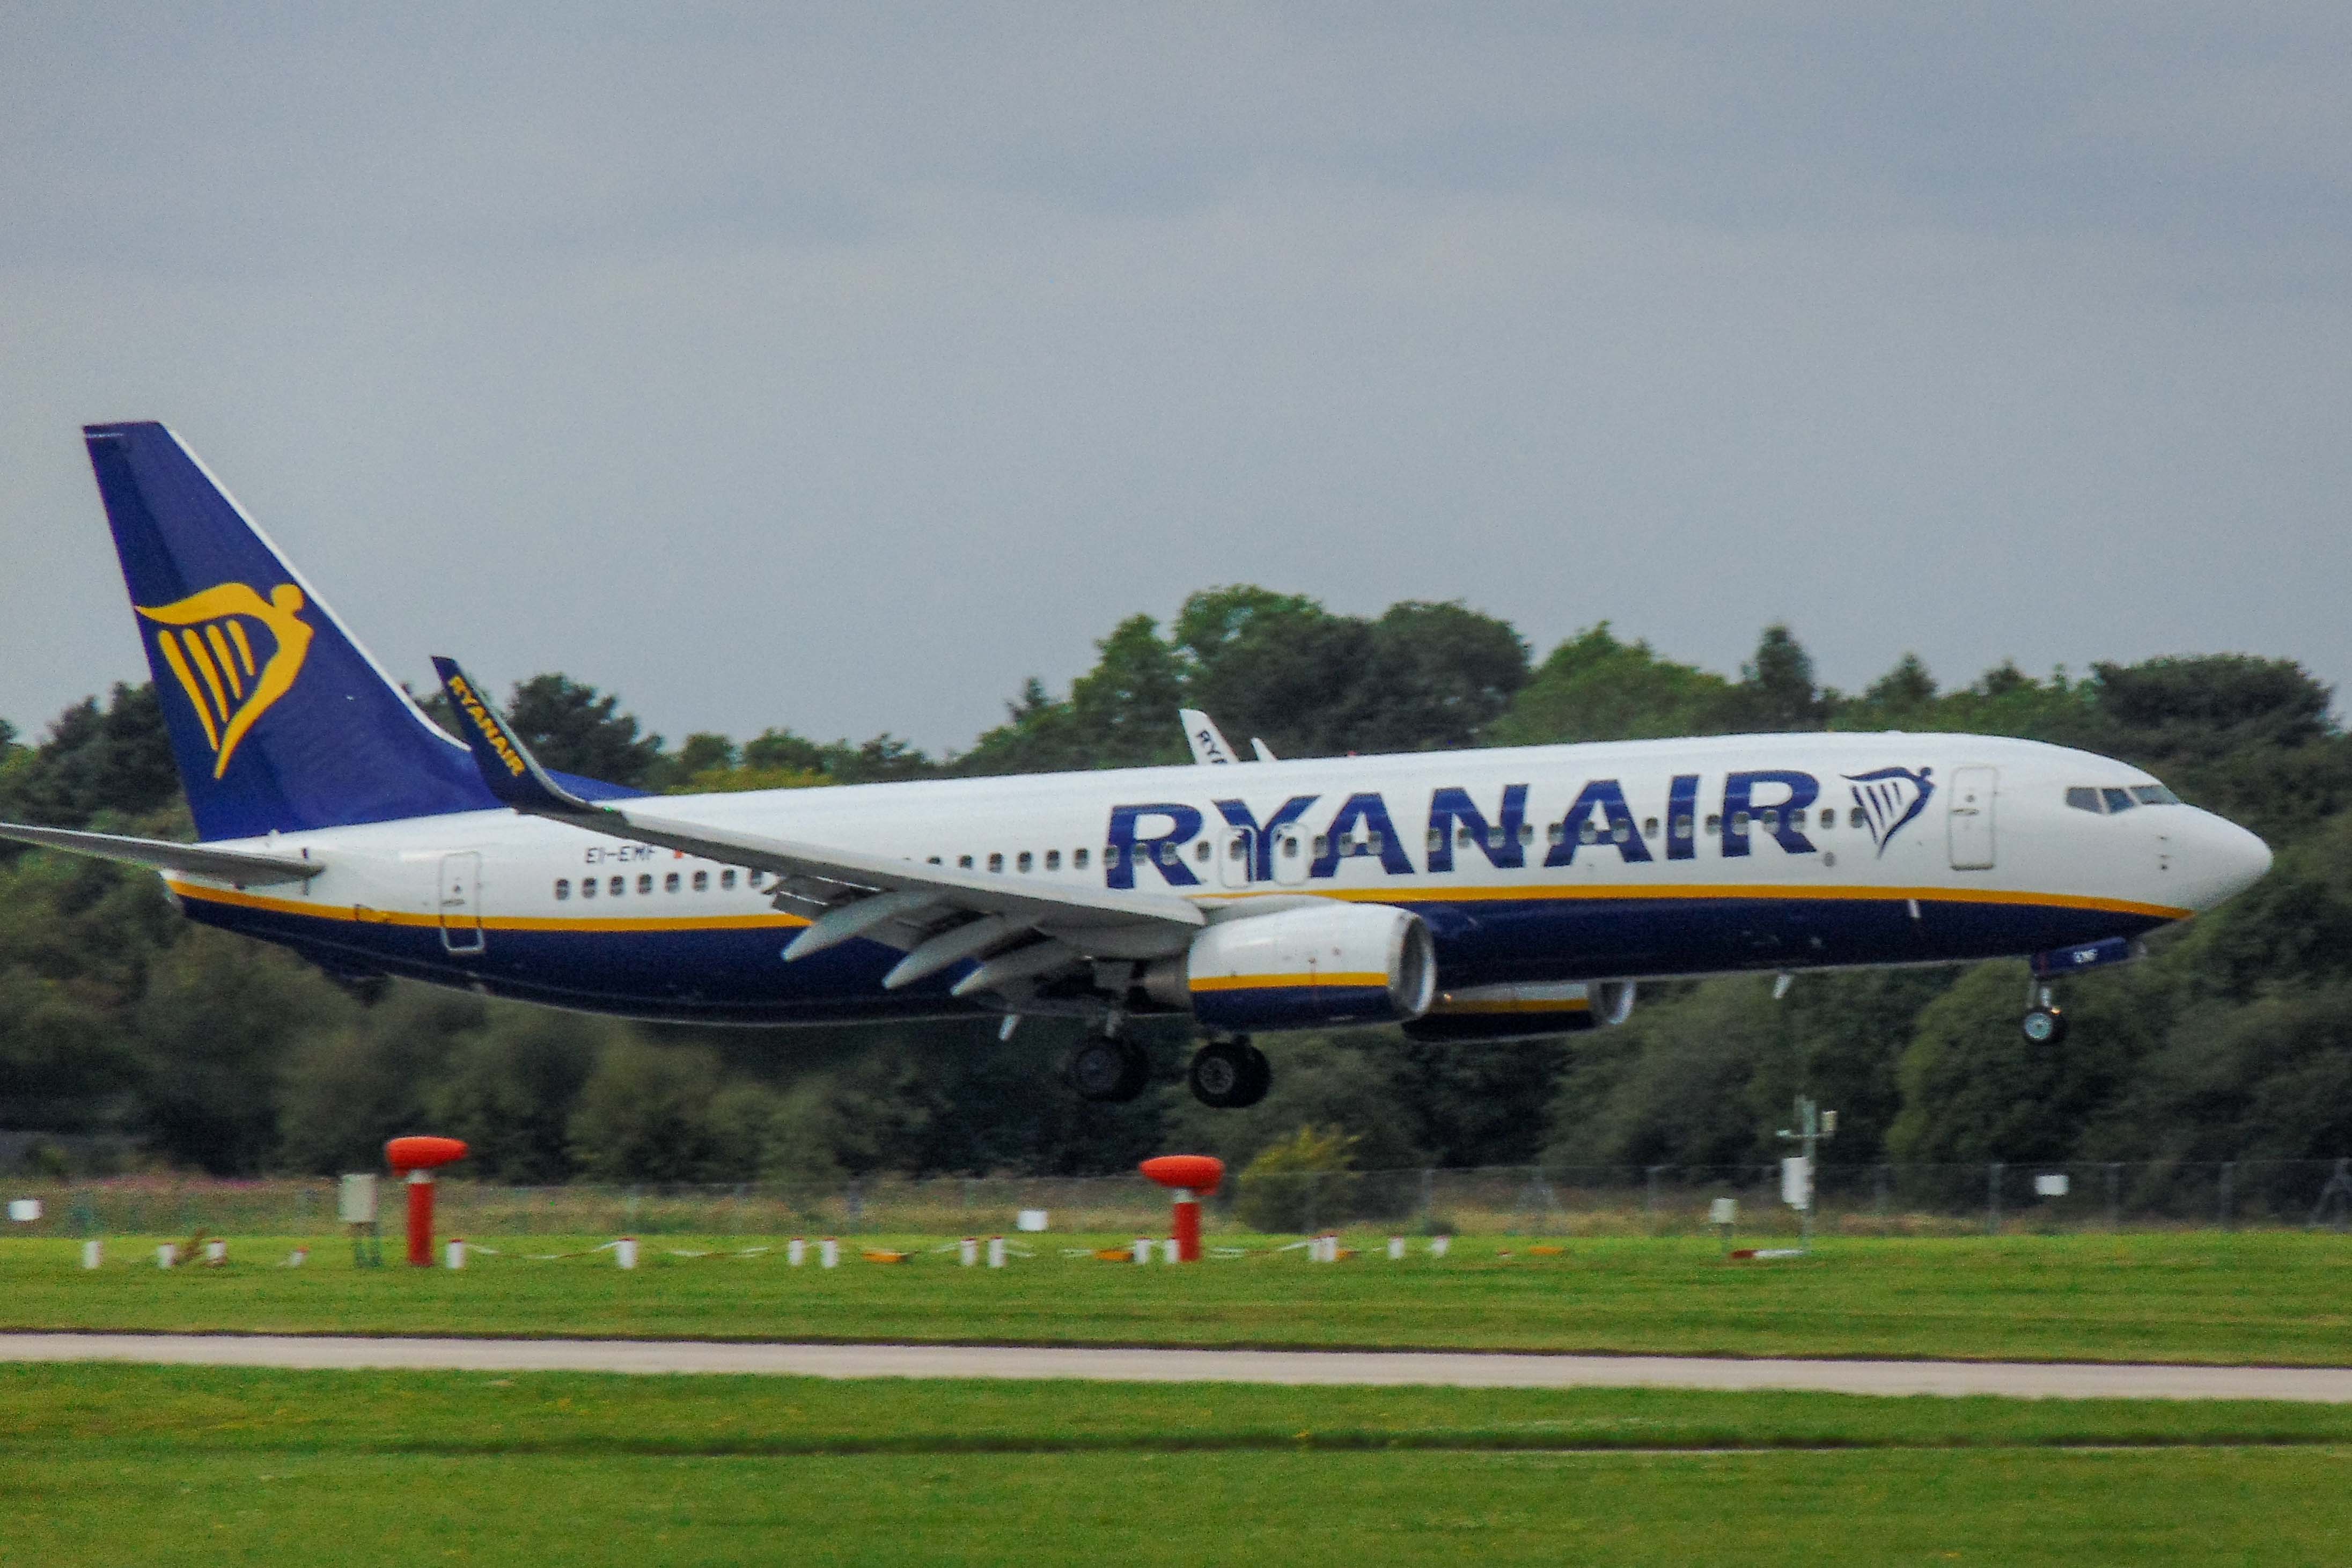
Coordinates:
1522 1012
1328 963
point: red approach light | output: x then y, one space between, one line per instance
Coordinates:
1188 1173
423 1154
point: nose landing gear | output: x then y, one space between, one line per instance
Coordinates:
2044 1022
1228 1074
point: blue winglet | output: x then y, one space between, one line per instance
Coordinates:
507 766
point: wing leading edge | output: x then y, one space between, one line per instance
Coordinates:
1019 934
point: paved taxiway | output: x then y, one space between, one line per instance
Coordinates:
1391 1368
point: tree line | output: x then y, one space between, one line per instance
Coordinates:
2232 1039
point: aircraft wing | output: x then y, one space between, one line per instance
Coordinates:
1200 733
250 868
1020 930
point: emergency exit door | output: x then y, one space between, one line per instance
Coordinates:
1970 815
461 903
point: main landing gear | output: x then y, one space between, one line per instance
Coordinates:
2045 1021
1228 1074
1106 1069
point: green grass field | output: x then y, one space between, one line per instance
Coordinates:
165 1465
2269 1297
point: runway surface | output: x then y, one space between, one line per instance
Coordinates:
2033 1380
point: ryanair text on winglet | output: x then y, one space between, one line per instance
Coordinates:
491 731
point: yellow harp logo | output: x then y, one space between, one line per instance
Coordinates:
207 639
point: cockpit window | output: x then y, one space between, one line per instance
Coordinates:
2154 795
2118 800
2083 798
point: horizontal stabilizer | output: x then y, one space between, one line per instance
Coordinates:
249 867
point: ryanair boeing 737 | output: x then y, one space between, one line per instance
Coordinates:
1462 894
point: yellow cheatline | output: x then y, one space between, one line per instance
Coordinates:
1769 892
1284 982
365 915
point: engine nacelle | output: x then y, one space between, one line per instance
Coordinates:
1303 968
1522 1012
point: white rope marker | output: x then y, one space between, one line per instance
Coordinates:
828 1253
1143 1249
625 1251
968 1252
93 1254
996 1251
166 1255
796 1251
453 1254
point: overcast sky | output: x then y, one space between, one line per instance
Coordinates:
839 367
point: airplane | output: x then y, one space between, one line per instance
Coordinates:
1464 895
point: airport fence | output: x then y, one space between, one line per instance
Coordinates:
1994 1198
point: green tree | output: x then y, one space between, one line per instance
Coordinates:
574 728
1594 687
1305 1181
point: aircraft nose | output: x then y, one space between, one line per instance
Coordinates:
2227 860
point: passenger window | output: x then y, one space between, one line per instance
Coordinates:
1322 844
1714 822
1739 821
701 882
1201 852
2082 798
1829 816
1053 860
963 863
1649 827
1025 862
1855 819
669 883
563 887
617 886
1621 832
1078 858
1586 835
1461 839
934 859
1436 840
2117 800
587 887
1769 819
1526 832
1682 827
646 882
727 877
1290 846
996 861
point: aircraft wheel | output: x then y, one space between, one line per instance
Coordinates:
2043 1026
1228 1074
1109 1072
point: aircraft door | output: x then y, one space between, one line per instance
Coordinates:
1237 857
1974 791
461 903
1290 858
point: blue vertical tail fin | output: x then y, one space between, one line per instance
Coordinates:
279 720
